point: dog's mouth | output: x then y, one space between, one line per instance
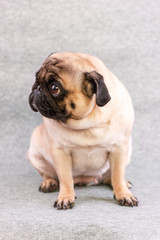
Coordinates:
75 117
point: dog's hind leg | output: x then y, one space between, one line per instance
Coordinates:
46 170
106 179
48 185
85 180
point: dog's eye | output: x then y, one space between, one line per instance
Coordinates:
55 90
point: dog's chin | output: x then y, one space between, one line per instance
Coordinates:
75 123
63 118
51 114
54 116
74 117
78 122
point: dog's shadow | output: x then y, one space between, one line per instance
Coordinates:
91 196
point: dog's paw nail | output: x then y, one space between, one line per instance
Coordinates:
131 204
121 202
71 205
60 206
55 204
136 202
65 206
130 183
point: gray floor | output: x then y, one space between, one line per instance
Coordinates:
125 35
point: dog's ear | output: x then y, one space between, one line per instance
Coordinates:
102 94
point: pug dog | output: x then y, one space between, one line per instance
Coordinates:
87 125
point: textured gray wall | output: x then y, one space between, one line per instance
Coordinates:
126 36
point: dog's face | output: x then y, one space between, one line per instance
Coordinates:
67 86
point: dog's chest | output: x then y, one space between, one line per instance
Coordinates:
89 161
90 150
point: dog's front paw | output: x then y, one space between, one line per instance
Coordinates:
126 198
65 201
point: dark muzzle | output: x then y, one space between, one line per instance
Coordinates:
42 101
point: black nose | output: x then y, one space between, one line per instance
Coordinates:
32 101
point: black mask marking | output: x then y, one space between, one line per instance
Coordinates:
41 100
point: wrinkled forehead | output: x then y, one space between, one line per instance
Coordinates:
67 68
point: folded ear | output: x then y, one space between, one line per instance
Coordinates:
102 94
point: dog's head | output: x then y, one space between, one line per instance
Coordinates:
67 86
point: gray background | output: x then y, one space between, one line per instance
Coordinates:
125 35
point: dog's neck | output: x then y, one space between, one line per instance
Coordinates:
96 118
